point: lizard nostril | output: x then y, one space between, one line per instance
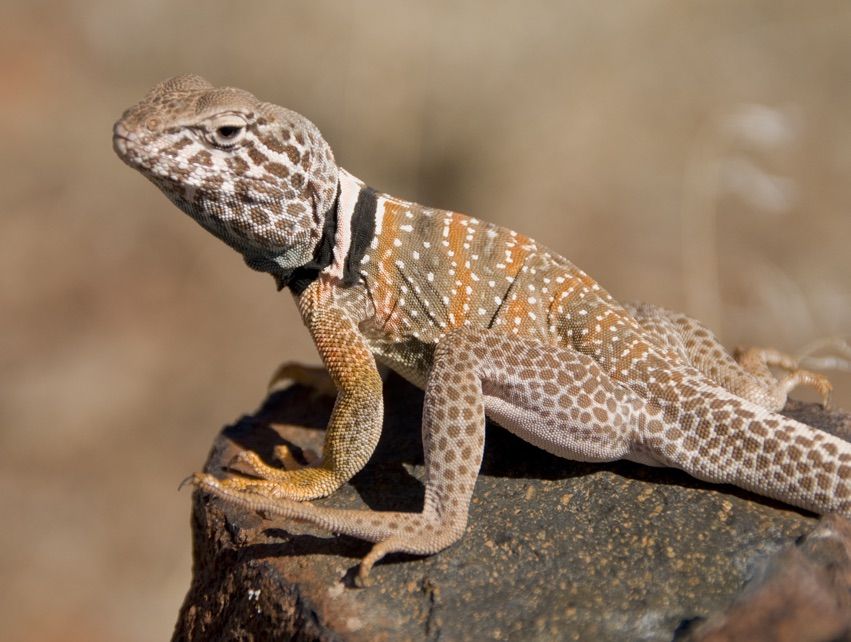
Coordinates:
152 123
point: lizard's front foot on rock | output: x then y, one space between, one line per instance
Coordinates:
249 493
294 481
257 467
314 377
238 484
303 484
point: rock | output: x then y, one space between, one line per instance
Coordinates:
554 549
803 594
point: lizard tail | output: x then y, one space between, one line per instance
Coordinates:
721 438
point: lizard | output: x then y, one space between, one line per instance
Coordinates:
486 320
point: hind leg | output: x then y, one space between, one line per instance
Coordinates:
746 373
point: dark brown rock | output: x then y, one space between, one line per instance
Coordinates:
554 549
802 595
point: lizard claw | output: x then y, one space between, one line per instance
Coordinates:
189 479
826 397
193 479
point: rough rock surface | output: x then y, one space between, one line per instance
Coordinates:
803 594
554 549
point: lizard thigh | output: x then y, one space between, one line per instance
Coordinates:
555 398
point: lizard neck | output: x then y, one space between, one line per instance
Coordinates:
349 228
292 268
356 220
353 232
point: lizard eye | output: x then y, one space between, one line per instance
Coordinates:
227 132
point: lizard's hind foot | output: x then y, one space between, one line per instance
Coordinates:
422 533
757 361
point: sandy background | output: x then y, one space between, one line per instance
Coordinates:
694 154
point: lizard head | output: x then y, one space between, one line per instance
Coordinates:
258 176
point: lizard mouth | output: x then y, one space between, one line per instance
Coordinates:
119 144
122 140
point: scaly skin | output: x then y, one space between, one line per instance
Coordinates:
487 320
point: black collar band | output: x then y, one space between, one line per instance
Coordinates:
362 232
299 278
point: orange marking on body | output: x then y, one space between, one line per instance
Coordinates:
564 292
386 289
635 354
519 254
462 278
516 309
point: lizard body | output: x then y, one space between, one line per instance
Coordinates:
487 320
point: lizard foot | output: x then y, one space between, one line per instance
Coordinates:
236 484
308 482
758 360
314 377
243 491
390 545
801 377
257 467
418 533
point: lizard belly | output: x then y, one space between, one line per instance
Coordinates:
408 357
566 435
569 439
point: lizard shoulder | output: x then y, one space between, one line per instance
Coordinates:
327 293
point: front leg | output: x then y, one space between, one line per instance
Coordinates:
453 432
354 427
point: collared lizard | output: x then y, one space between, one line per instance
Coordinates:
487 320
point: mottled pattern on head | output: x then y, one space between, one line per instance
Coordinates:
258 176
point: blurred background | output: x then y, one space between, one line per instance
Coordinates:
692 154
